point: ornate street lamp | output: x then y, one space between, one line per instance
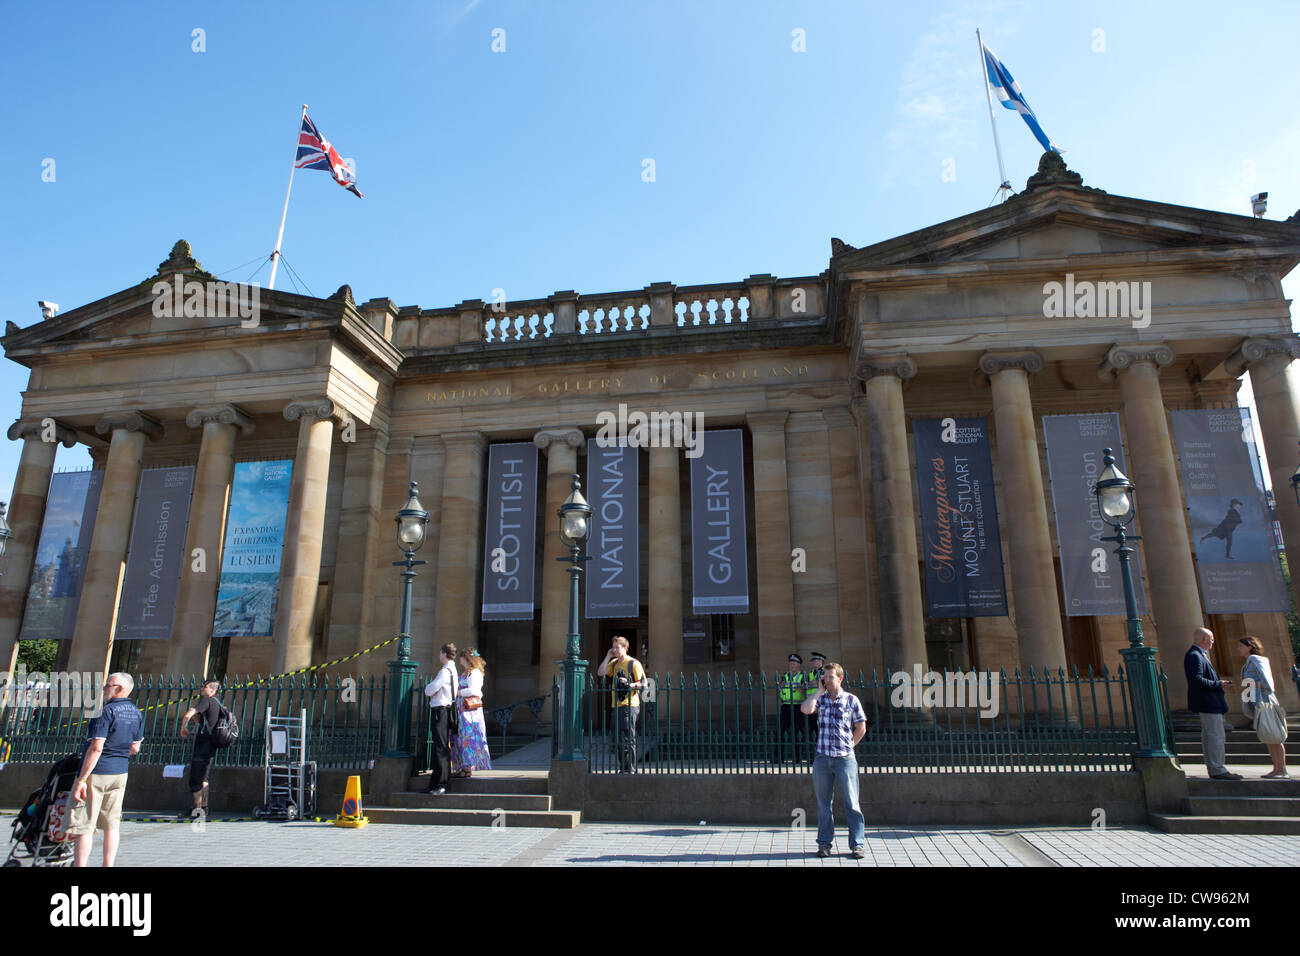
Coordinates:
412 523
1115 498
6 534
575 525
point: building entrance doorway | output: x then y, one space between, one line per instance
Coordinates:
636 632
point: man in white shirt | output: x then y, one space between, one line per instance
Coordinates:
441 692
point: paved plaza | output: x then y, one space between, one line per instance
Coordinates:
259 843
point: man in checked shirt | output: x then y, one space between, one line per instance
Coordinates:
841 723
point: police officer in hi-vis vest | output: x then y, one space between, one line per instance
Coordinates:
792 688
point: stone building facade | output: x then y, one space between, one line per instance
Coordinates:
824 375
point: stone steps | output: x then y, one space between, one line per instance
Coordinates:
492 797
437 816
1243 806
472 801
1188 823
1251 806
525 783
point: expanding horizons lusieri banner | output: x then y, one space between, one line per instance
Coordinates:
1089 566
719 563
1232 527
250 560
60 564
959 518
613 573
153 566
511 526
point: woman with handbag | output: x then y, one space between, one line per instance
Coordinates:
471 750
1261 704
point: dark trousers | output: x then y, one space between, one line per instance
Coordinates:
440 725
792 726
625 738
203 751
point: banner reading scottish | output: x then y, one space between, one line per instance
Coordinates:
613 574
959 518
250 559
719 562
510 532
153 565
1232 526
1089 566
60 562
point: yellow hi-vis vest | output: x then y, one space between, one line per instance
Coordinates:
792 687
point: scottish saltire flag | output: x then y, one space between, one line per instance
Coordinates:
315 152
1009 95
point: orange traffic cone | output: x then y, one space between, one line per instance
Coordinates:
350 816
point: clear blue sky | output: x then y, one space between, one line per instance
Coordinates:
523 169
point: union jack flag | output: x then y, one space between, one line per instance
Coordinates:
315 152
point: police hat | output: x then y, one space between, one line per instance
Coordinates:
818 656
796 658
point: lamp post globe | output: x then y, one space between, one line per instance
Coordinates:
575 526
412 525
1115 496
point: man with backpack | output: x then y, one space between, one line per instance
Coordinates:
215 731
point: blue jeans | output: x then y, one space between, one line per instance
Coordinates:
844 770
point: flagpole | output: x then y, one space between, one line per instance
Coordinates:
275 254
1004 187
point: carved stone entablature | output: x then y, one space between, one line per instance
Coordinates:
1121 357
131 422
572 437
36 428
993 362
223 414
1256 350
311 409
901 366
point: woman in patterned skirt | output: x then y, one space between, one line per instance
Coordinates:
470 751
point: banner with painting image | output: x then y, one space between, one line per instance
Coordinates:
59 565
250 560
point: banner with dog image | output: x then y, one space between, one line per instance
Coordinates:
1232 527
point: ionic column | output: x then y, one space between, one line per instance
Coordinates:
1166 549
777 634
92 641
560 446
902 618
459 541
26 511
665 596
1275 380
196 595
1033 580
850 541
304 530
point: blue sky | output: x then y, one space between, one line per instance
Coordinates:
522 169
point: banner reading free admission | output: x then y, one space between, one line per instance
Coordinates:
1236 556
959 516
613 574
511 526
60 562
250 560
719 565
1089 566
153 566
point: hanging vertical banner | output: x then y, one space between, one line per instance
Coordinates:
1232 526
60 561
959 518
719 565
250 556
1089 566
510 532
613 573
153 565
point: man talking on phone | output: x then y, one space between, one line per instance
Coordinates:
841 723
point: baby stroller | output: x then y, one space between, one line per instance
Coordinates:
40 831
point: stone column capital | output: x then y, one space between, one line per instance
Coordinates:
993 362
1121 357
131 421
1255 350
900 365
563 436
227 414
36 428
311 409
767 421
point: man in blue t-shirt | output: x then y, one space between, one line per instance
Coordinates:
111 739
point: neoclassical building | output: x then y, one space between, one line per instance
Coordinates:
823 376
